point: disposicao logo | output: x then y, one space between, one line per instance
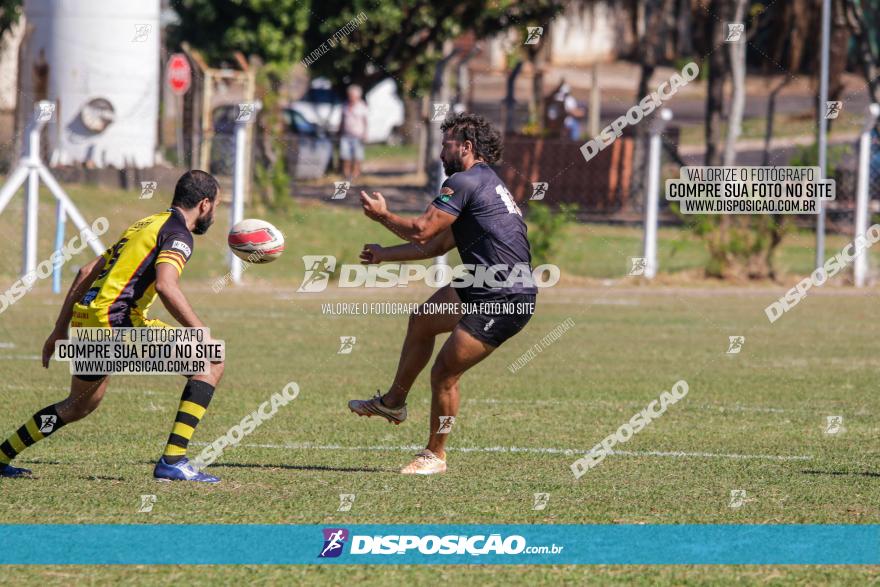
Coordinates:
334 540
432 544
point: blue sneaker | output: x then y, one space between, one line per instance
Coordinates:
181 471
12 472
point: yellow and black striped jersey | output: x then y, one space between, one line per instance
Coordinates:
127 284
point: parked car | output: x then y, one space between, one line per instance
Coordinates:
322 106
308 150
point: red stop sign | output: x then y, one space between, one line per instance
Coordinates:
179 74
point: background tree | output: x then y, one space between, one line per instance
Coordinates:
271 30
738 246
404 40
652 30
10 12
863 18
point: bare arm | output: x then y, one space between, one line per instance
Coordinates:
168 289
419 230
81 284
438 245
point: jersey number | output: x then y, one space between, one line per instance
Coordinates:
113 258
512 208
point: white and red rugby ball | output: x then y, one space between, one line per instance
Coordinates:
256 241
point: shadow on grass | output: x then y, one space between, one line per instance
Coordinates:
240 465
841 473
299 467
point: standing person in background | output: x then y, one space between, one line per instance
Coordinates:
563 112
353 133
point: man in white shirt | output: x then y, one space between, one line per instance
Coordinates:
353 133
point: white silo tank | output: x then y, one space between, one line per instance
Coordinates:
99 61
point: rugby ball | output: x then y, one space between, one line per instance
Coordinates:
256 241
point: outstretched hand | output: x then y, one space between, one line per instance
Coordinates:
371 255
374 207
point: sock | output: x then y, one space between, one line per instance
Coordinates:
193 404
42 424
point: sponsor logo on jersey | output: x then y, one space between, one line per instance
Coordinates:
182 246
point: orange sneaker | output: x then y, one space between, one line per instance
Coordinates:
425 463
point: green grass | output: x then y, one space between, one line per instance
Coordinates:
629 343
391 152
464 576
784 126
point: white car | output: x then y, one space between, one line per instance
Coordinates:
322 107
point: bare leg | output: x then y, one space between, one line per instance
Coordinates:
418 346
213 376
84 397
460 352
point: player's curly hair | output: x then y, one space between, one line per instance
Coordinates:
486 140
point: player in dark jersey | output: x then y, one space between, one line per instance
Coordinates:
116 290
475 213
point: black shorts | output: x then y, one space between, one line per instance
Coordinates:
91 378
496 319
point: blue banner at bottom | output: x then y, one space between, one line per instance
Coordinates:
440 544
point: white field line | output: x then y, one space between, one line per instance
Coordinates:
556 402
516 449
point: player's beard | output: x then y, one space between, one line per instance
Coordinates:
203 223
453 164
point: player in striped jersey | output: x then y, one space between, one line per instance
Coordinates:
116 290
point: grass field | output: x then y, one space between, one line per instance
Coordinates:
752 421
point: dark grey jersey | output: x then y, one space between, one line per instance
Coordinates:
489 232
